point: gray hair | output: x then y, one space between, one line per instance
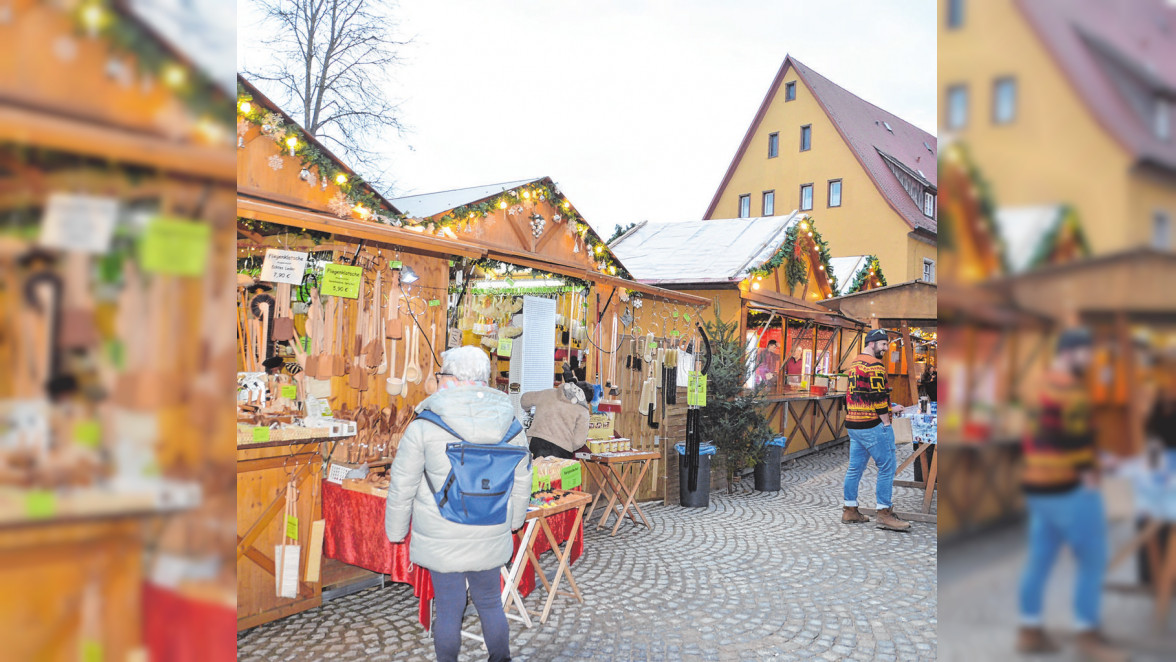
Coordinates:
467 364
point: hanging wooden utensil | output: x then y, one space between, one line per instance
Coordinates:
358 377
412 370
374 350
395 326
431 378
339 337
283 316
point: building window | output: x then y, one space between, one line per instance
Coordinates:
834 192
745 206
957 106
928 270
806 137
955 14
929 204
790 91
806 197
773 145
769 203
1163 119
1162 231
1004 100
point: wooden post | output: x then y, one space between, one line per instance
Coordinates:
1127 351
908 350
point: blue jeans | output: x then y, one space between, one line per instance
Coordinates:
1075 518
450 594
877 443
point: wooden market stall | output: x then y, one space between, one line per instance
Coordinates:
766 274
379 288
115 158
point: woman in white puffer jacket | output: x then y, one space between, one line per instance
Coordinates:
457 554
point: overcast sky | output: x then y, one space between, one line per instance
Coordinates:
634 107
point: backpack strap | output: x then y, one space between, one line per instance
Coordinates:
433 418
426 415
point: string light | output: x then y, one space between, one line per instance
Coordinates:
174 75
340 179
599 249
755 286
93 16
363 212
502 204
526 195
246 106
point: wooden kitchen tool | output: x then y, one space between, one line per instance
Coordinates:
283 316
431 378
395 326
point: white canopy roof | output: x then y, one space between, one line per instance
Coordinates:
1023 229
431 204
846 269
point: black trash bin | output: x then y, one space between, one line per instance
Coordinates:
767 472
700 496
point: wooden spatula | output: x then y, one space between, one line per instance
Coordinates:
283 319
395 327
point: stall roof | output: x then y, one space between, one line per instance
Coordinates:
846 269
1030 233
716 251
425 205
913 301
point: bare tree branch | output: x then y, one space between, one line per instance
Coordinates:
329 67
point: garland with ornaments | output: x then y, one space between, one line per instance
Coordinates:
871 271
800 237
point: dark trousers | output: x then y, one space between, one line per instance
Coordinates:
544 448
450 596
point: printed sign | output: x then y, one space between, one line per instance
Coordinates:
696 390
570 476
434 302
505 346
342 280
261 435
83 223
600 426
41 504
176 247
289 391
88 434
291 527
283 266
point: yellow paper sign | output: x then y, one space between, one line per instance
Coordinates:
289 391
41 504
91 650
176 247
600 426
261 434
434 302
342 280
505 345
291 527
88 434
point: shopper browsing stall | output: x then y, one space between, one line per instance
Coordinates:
458 554
870 434
560 423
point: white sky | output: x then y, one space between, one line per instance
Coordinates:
635 107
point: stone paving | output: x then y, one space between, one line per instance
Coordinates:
755 576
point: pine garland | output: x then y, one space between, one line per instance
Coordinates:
873 269
791 254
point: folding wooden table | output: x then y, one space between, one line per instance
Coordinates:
569 500
619 475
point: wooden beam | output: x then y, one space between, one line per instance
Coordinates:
908 350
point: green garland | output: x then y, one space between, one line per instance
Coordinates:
1067 218
795 271
124 34
984 200
874 267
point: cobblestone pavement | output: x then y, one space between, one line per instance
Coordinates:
755 576
978 602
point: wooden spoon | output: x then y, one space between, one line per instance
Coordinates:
431 378
412 370
395 326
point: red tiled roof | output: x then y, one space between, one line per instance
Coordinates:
1100 46
860 124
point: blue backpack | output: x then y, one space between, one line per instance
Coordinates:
481 477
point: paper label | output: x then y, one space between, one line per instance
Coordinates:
505 345
600 426
291 527
289 391
675 314
434 302
686 317
674 333
337 473
342 280
283 266
174 246
83 223
261 434
91 651
396 265
41 504
570 477
88 434
696 390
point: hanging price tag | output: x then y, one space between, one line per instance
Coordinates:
686 317
675 314
41 504
702 390
91 651
396 265
291 527
505 345
434 302
289 391
674 333
342 280
261 435
176 247
88 434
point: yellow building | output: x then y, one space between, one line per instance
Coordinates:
1068 103
867 176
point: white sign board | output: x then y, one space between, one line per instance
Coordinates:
283 266
83 223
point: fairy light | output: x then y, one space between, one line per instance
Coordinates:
599 249
291 142
612 269
526 195
362 211
565 205
803 225
340 179
94 17
174 75
502 204
246 106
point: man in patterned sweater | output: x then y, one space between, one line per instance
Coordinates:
870 435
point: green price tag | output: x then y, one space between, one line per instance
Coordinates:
41 504
451 263
570 477
91 651
510 282
534 482
342 280
291 527
434 302
702 390
686 317
675 314
176 247
290 392
114 348
674 333
261 435
88 434
397 264
505 345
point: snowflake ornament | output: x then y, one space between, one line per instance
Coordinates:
275 162
515 210
340 205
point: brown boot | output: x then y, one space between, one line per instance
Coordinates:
887 520
1035 640
1094 647
850 515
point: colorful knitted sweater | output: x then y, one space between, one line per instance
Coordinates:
1061 446
869 394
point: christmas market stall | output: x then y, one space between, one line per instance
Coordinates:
116 189
766 275
346 302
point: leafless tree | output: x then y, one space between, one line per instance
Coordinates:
329 64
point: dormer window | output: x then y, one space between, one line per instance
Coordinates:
1162 122
928 204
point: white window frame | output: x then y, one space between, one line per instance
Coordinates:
829 192
928 262
957 121
769 197
1161 230
745 205
929 201
1004 83
810 197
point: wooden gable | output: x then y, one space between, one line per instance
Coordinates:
972 251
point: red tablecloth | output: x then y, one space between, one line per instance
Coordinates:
355 535
177 628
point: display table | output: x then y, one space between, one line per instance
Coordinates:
619 475
571 503
184 625
1155 498
355 535
923 431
